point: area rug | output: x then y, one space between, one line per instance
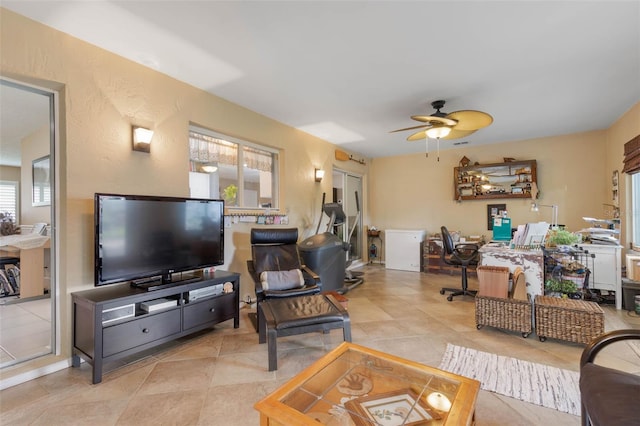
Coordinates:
538 384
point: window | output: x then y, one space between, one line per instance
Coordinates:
9 198
635 200
245 175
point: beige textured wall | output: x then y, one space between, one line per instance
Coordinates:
33 147
103 96
622 131
414 192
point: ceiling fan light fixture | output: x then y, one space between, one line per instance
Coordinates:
437 132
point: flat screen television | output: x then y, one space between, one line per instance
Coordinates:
147 238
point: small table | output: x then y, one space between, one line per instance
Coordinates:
353 384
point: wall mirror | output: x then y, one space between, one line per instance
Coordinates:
27 182
41 192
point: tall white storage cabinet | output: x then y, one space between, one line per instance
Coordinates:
607 269
402 249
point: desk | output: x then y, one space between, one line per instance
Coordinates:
323 392
531 262
30 249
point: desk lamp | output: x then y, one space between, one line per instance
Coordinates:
554 212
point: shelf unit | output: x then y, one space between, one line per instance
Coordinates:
514 179
109 322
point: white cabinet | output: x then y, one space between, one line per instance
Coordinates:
402 249
606 273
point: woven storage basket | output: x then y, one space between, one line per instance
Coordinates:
567 319
509 314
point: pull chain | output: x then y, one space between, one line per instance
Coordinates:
426 140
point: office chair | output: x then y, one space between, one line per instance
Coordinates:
462 255
276 267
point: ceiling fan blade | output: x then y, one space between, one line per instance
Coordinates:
457 134
422 126
470 119
435 120
421 135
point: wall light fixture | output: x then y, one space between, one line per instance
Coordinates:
319 174
142 139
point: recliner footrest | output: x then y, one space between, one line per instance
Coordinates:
302 311
298 315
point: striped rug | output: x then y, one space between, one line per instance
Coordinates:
538 384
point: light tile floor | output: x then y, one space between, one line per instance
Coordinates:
25 329
215 377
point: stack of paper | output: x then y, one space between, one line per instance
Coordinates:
531 234
601 231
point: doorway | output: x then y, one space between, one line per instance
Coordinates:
27 205
347 190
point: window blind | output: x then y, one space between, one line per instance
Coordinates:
9 198
632 156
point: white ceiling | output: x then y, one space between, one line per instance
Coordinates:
351 71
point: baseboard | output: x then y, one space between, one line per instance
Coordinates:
34 373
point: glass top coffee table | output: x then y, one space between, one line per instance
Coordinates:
357 386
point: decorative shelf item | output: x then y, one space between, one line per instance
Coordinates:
513 179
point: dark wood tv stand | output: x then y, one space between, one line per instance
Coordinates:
109 322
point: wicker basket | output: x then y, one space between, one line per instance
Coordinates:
509 314
567 319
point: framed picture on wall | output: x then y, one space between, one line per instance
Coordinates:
41 189
492 211
614 188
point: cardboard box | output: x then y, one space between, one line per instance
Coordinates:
493 281
633 267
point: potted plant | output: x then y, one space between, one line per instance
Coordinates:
561 237
7 224
560 288
230 193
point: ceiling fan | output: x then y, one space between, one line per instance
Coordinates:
441 125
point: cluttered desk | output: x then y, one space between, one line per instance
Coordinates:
522 247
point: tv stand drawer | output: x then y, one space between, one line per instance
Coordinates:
217 309
121 337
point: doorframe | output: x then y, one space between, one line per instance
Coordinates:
344 174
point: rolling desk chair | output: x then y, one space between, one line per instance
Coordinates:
462 255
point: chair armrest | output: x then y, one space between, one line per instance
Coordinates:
591 351
308 271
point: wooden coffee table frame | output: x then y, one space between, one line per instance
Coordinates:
315 390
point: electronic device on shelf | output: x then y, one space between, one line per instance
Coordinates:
118 313
138 237
200 293
158 304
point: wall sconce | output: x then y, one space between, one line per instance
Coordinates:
142 139
319 174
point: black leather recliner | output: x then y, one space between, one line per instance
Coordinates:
462 255
275 251
608 396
